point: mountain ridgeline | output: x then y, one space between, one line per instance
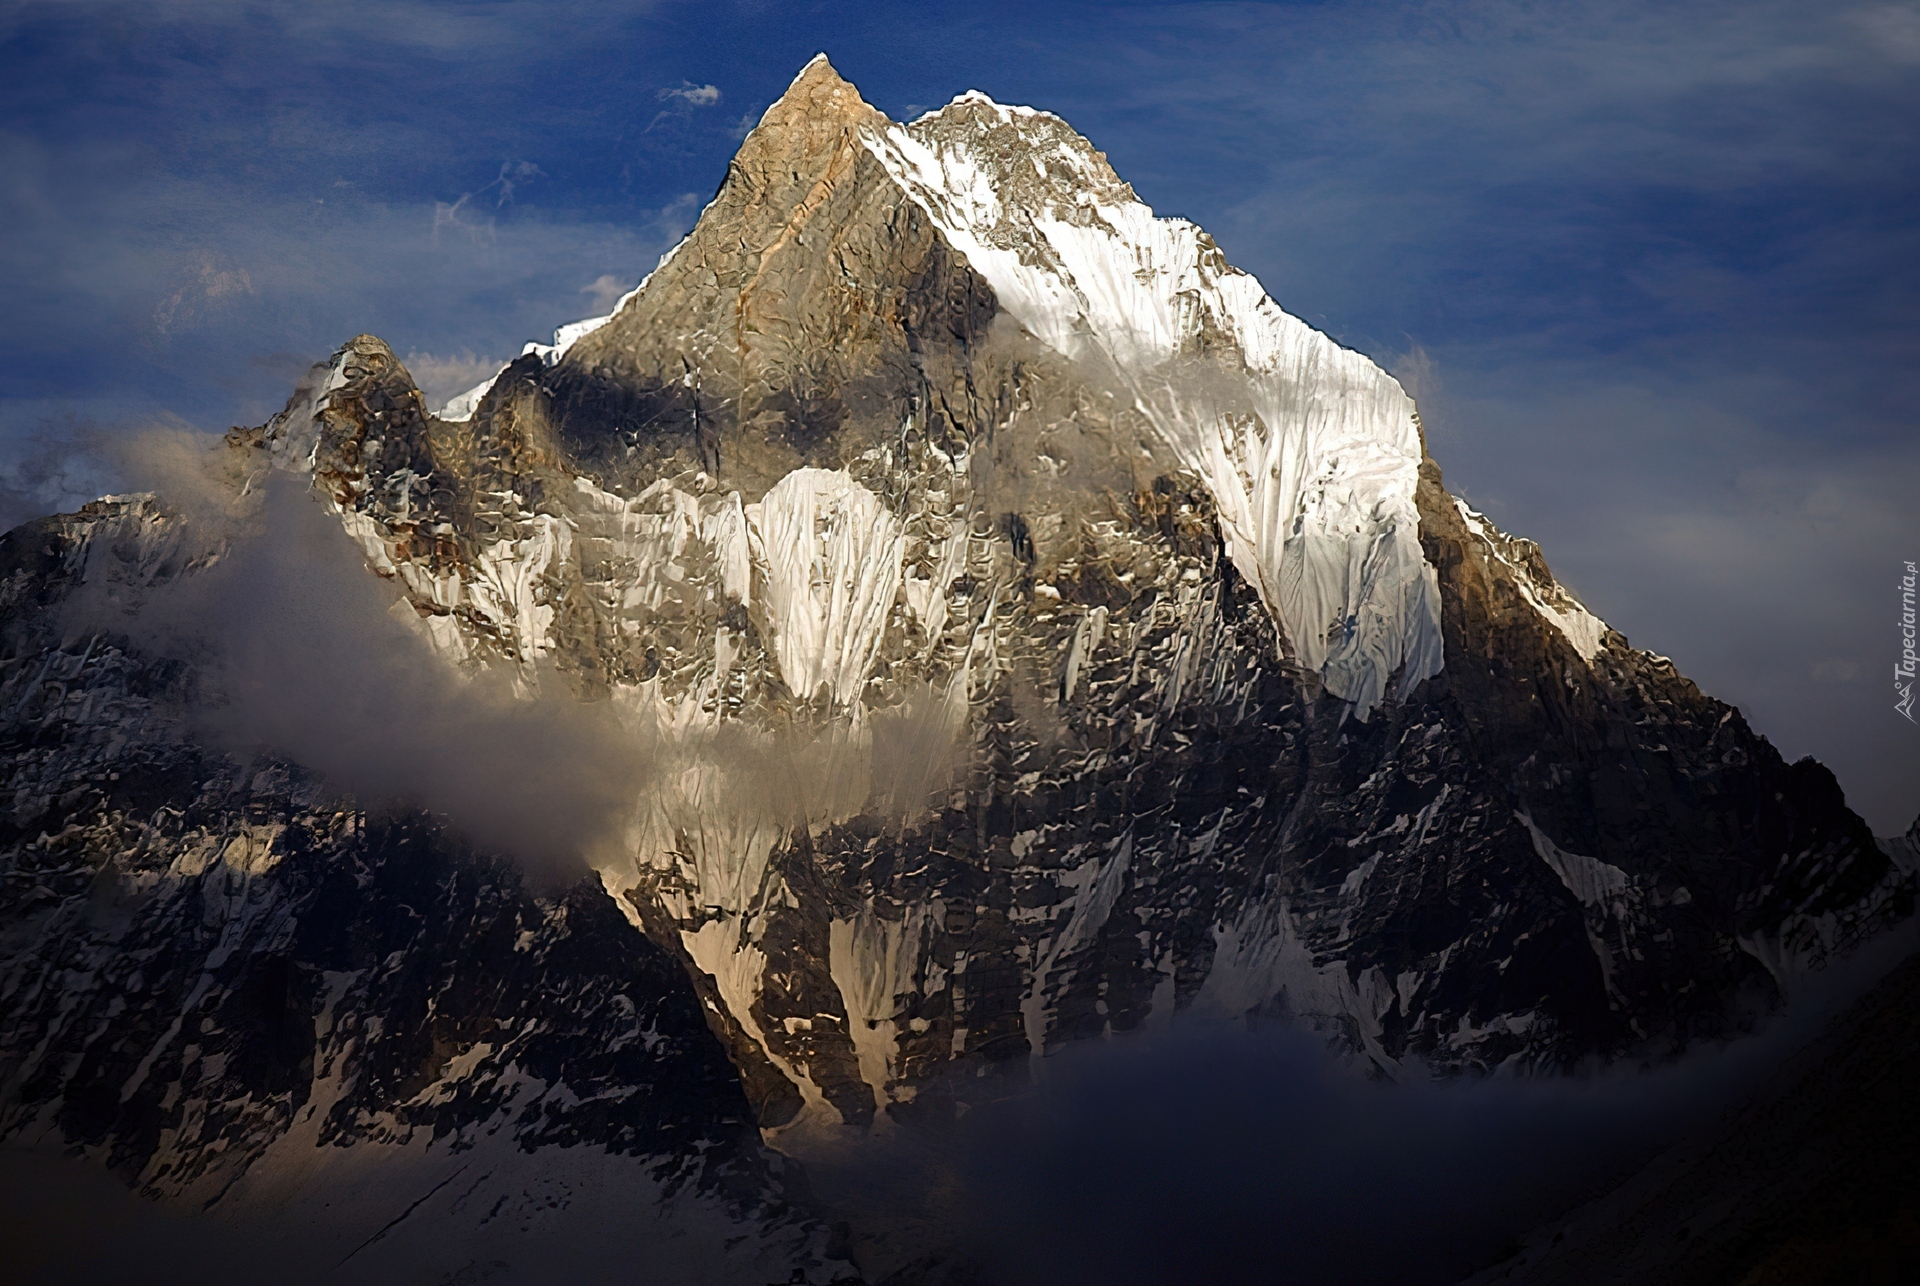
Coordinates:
1031 632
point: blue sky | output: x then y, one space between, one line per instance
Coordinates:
1650 269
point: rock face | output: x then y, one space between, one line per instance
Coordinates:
1035 633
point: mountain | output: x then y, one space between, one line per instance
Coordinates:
1029 632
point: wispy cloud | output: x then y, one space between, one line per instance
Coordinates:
54 467
505 29
682 101
461 214
206 287
692 95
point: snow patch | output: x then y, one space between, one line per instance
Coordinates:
1603 890
832 564
736 968
1259 959
1096 886
1597 884
873 961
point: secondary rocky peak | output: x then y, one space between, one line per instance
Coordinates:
1035 157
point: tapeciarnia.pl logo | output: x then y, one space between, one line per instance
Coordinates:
1903 670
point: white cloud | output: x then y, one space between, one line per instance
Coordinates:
204 289
693 95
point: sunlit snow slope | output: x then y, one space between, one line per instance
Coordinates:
1310 450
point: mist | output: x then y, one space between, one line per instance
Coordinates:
1205 1152
58 468
302 652
1222 1153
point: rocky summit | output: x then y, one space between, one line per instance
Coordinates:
1023 631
